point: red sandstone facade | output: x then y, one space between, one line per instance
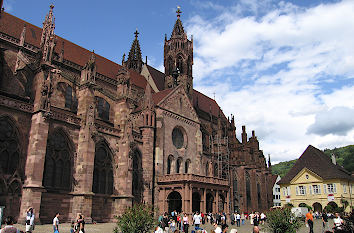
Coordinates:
80 133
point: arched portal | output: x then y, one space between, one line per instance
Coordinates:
10 165
317 207
174 200
195 202
209 203
221 203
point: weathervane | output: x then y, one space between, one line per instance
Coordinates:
178 11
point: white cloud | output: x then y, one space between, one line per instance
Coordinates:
337 121
279 71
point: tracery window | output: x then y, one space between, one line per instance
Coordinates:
103 172
248 189
9 147
68 97
169 164
137 183
180 64
216 170
103 108
57 166
177 138
170 65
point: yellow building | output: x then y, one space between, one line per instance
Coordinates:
316 180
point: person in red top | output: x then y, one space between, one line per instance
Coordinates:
203 218
309 220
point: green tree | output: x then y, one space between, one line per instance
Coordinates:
282 221
136 219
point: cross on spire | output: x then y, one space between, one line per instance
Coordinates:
178 11
136 33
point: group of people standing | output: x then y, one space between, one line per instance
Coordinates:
77 226
337 222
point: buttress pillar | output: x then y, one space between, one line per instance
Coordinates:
84 164
32 188
37 144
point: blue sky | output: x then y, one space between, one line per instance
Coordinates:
284 68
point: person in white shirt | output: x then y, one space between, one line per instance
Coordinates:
217 228
238 220
29 220
9 228
197 218
338 222
56 222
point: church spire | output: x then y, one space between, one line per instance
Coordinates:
178 30
48 39
178 58
135 60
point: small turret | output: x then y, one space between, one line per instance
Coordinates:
244 135
134 61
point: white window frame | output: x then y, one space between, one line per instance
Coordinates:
301 190
344 188
316 189
331 188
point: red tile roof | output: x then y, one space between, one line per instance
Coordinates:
13 26
157 97
319 163
206 104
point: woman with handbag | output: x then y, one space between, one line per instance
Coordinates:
80 224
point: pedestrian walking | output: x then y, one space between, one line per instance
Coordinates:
325 223
185 223
243 218
29 220
238 219
197 218
56 223
80 224
309 220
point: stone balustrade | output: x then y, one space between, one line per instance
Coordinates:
191 178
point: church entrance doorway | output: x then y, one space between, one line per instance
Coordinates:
209 203
195 202
174 200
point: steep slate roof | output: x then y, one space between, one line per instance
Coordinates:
13 26
206 104
157 97
158 77
319 163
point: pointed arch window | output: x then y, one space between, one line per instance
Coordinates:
170 65
178 165
137 183
189 66
169 164
180 64
103 172
58 160
68 97
216 170
248 189
9 147
103 108
207 169
186 166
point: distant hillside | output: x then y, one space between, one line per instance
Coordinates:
345 158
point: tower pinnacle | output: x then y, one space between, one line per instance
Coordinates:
178 11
